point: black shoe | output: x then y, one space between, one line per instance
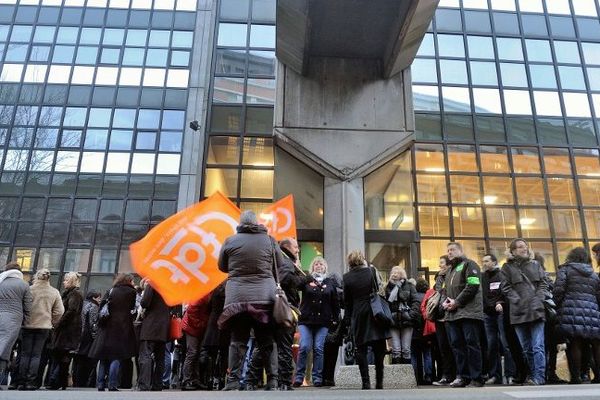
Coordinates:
475 384
234 385
189 387
317 384
113 390
250 387
297 384
101 389
366 385
493 381
271 384
442 382
285 387
458 383
555 380
328 383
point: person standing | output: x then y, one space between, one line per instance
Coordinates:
67 333
15 308
46 310
248 258
464 313
405 306
446 365
524 287
577 296
83 366
116 337
493 319
358 286
154 335
319 310
194 324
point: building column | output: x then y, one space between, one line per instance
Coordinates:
344 221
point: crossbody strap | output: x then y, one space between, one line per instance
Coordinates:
275 266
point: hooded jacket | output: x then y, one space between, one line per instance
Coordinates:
577 295
524 287
463 284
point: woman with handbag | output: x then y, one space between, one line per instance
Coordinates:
577 296
404 306
319 310
116 338
359 287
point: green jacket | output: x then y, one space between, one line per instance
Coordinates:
463 284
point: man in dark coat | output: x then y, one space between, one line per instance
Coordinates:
493 319
248 258
83 366
464 313
153 336
524 286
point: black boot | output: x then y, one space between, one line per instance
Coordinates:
378 378
396 360
366 384
237 352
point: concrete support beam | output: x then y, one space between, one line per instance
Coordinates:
344 221
292 33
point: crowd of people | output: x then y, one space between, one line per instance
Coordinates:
499 325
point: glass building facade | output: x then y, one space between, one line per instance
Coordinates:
93 99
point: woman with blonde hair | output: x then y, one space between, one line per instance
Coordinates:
67 332
404 304
319 310
359 283
46 310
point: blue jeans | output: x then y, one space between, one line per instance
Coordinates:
531 337
463 335
112 367
497 346
311 338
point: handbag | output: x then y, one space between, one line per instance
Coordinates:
380 308
175 328
283 313
548 302
104 313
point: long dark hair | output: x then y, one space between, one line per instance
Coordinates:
579 255
124 279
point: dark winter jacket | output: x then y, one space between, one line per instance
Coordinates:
214 336
492 293
116 337
525 296
248 259
196 316
319 306
156 322
89 326
463 284
291 279
358 286
577 295
406 307
67 333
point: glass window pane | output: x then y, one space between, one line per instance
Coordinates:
502 222
262 36
227 119
104 261
454 71
451 45
587 162
259 62
477 21
431 188
462 158
542 76
567 223
547 104
258 152
506 23
556 161
571 78
434 221
525 160
484 73
232 35
534 223
424 70
429 157
431 249
426 98
561 191
223 150
234 9
562 26
456 99
590 192
509 49
223 180
490 129
530 191
497 190
448 20
427 47
534 25
494 159
566 52
468 221
592 223
464 189
480 47
538 50
257 184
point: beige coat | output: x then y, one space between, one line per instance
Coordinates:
47 307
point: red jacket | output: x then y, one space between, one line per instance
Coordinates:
429 326
195 318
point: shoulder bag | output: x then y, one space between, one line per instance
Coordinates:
104 313
380 308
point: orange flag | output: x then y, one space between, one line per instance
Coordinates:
279 218
180 254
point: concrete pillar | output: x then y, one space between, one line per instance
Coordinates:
344 220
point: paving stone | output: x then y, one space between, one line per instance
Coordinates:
396 376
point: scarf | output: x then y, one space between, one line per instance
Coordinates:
319 277
11 273
394 293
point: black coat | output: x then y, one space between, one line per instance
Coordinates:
358 286
291 278
116 338
89 326
577 295
319 306
492 293
463 284
407 297
524 296
156 322
214 336
67 333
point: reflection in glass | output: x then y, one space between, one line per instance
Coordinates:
494 159
480 47
228 90
451 45
542 76
547 103
525 160
104 261
456 99
587 162
261 91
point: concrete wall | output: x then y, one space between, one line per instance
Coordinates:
193 141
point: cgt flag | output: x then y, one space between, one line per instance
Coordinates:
279 218
180 254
